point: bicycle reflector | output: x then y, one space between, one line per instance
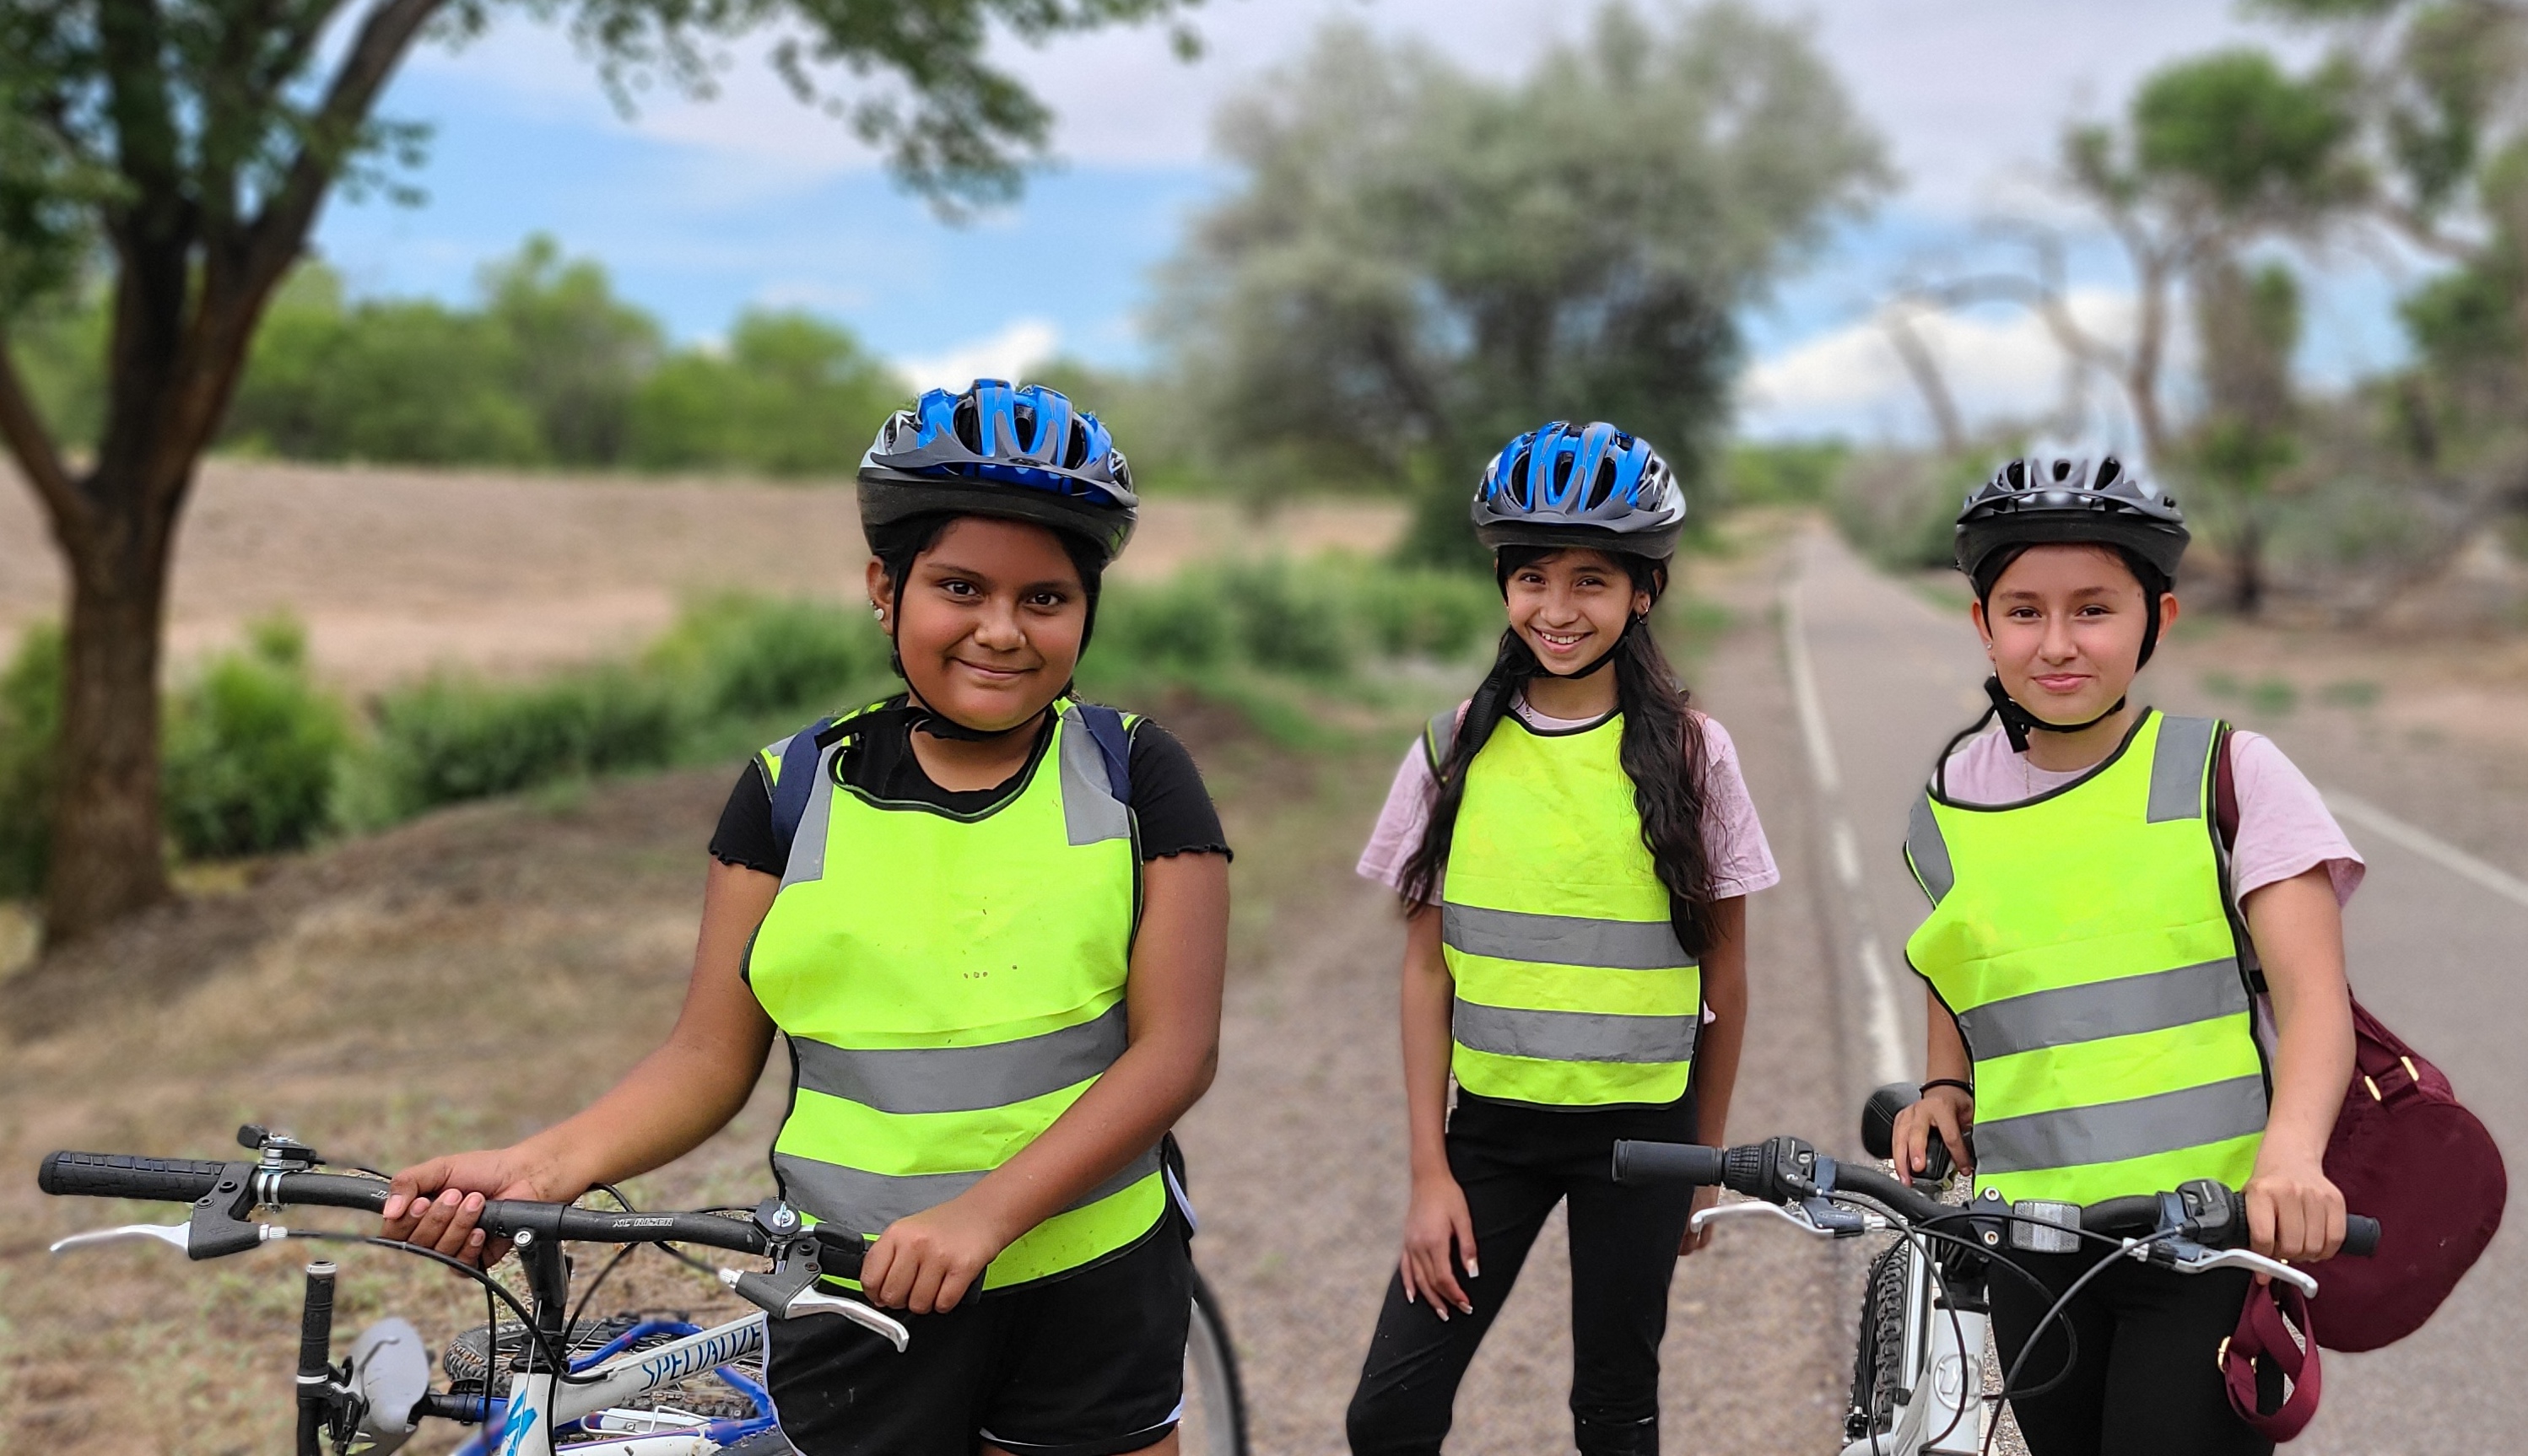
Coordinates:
2040 1225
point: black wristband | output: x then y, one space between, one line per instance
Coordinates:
1925 1090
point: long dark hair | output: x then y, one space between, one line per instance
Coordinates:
1662 753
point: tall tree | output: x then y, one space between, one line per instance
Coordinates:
191 144
1419 263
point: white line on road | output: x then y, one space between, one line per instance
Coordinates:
1803 693
2431 847
1886 1041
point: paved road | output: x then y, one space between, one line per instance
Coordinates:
2437 955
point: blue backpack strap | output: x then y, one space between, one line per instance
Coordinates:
795 782
1114 742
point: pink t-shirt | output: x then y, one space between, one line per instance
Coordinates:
2283 826
1741 861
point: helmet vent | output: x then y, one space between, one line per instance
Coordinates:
1602 486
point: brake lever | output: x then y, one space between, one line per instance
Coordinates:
2248 1259
171 1234
1754 1209
776 1295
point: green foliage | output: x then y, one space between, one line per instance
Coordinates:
792 394
2237 125
1320 620
1901 510
577 352
30 721
1420 263
392 380
747 656
1785 473
552 369
251 749
453 737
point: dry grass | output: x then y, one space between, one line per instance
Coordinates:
397 570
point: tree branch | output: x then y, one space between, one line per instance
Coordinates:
278 233
1897 321
23 426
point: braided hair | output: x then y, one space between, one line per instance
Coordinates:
1662 752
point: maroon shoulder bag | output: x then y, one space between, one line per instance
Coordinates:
2403 1152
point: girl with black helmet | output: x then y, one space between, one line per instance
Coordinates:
991 921
2135 958
1587 843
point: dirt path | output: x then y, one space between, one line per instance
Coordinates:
395 571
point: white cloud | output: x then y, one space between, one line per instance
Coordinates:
1966 91
1998 365
1008 354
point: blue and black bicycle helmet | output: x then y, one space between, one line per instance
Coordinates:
1565 485
2057 500
1022 452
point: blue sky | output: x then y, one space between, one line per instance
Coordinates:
702 209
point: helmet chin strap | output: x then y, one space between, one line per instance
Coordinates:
2019 722
923 718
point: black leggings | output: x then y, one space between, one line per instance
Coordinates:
1515 1164
2147 1377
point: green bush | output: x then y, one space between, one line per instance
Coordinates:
252 745
1411 613
30 721
1180 626
745 656
450 738
1288 620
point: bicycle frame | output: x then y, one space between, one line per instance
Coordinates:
540 1404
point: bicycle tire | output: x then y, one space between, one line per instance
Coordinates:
1878 1357
1215 1418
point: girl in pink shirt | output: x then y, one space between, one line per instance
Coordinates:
1573 846
2150 995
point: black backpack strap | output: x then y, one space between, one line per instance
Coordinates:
1113 739
794 781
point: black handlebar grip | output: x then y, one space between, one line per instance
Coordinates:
316 1323
122 1175
2360 1236
1647 1163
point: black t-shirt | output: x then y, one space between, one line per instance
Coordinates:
1169 799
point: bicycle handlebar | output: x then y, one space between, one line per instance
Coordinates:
1766 1172
186 1181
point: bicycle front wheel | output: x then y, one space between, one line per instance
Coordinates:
1214 1423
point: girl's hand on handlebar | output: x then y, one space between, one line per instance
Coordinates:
1946 1110
1704 1198
1439 1234
925 1261
435 1204
2292 1212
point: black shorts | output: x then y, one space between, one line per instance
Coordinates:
1089 1364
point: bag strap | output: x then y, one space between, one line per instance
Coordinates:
1114 738
2263 1335
796 782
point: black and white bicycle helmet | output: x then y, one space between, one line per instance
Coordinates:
1596 486
1024 454
2053 501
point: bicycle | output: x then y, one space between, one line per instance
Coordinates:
1918 1379
626 1384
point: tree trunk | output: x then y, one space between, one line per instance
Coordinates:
2247 568
108 857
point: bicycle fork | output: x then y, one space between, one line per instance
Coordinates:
527 1427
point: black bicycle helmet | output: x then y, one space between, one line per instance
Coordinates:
2056 500
1580 486
1022 453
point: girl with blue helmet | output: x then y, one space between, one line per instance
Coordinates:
1573 846
991 921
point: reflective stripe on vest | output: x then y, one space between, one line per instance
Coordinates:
949 985
1571 988
2083 941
